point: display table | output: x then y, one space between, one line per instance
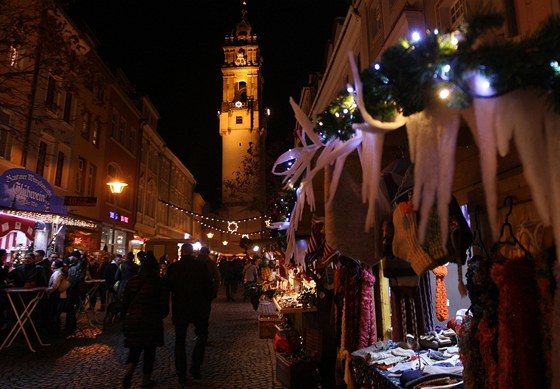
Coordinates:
91 289
367 376
23 302
284 310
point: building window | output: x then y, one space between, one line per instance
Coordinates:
115 120
122 129
59 169
67 114
41 158
132 140
80 175
450 13
51 94
86 125
5 143
13 56
90 185
456 14
239 120
96 132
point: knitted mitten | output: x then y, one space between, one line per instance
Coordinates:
405 240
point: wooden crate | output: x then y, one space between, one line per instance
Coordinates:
267 324
295 373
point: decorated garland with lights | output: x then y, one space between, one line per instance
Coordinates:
431 82
455 67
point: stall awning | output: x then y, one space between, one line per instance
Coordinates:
9 223
50 218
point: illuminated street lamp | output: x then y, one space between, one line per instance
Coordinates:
116 188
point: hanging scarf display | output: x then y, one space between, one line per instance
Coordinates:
368 334
518 326
442 312
425 305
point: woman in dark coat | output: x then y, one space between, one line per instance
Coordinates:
146 304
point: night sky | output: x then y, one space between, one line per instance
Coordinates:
172 52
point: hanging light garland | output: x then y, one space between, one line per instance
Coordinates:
210 218
454 67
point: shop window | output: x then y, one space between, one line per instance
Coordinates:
59 169
41 158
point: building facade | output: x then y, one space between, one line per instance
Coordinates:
68 126
242 129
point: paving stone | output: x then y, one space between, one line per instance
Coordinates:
95 358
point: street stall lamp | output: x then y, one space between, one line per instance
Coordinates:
116 188
209 235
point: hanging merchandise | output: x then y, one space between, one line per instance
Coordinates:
405 241
442 312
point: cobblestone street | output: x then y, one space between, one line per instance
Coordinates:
95 358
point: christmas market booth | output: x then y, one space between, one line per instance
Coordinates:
433 259
32 217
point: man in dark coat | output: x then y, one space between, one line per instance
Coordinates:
204 256
190 284
146 303
127 269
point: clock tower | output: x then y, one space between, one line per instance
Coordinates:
242 127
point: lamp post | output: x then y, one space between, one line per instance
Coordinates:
116 188
209 235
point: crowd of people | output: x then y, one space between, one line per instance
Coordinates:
142 286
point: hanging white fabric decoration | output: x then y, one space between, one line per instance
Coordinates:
373 136
482 128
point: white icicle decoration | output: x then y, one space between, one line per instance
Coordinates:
447 120
373 136
424 153
528 113
483 131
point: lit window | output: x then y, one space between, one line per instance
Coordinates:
86 123
13 56
96 132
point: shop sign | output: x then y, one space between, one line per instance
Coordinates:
27 191
80 201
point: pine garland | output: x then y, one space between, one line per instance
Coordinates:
471 62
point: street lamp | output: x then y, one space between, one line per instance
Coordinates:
116 188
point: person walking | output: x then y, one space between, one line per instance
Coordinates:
190 285
250 276
146 304
126 270
227 268
204 256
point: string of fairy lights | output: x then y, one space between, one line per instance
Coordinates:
232 225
